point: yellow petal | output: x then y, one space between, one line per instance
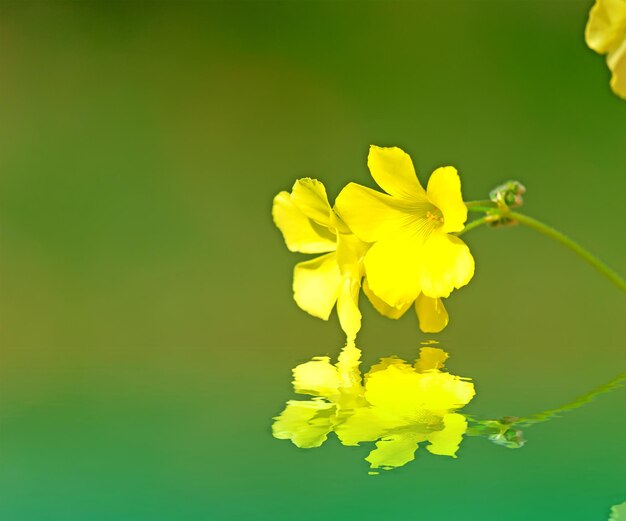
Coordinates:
395 390
349 359
393 170
401 391
446 441
363 425
605 28
309 195
382 307
431 358
316 285
348 308
444 191
616 61
306 424
317 377
432 316
300 233
392 269
395 450
351 390
350 252
371 215
441 392
445 264
384 363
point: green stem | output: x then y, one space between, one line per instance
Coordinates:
506 431
616 382
480 202
475 224
495 214
481 209
566 241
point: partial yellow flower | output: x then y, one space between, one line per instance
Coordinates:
409 405
606 34
431 313
396 405
414 258
618 512
309 225
337 391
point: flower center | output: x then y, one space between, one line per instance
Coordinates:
435 215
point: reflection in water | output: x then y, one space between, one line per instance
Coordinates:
618 512
396 405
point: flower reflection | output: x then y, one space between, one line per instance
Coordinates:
618 512
396 404
337 392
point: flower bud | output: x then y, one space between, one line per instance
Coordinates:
508 194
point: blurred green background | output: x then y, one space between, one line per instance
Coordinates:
147 327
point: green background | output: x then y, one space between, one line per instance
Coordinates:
146 320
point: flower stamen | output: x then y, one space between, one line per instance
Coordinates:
433 216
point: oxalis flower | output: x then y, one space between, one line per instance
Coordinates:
309 225
396 404
337 392
606 34
414 258
407 405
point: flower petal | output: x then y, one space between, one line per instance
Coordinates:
430 358
616 61
306 423
316 285
348 308
317 377
300 233
400 391
444 191
393 170
446 441
350 378
432 316
395 450
371 215
363 425
605 27
392 269
441 392
350 252
384 363
309 195
382 307
445 264
396 391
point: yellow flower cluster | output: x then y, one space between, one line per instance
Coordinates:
606 34
397 245
395 404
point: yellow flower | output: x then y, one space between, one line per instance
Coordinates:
398 406
606 34
414 259
337 390
309 225
409 405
